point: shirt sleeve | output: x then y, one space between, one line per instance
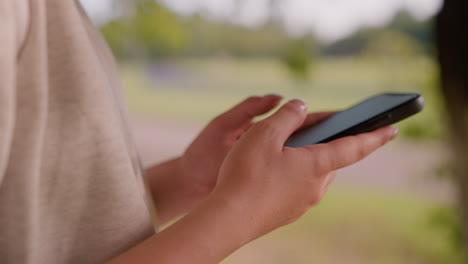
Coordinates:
8 53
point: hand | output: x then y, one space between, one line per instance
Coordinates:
181 184
201 161
270 185
262 185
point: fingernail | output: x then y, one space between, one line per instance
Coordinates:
394 132
300 102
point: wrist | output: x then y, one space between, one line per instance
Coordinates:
221 226
243 213
169 191
208 234
238 216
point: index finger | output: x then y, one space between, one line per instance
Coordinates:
244 112
348 150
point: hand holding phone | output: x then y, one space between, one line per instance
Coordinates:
371 114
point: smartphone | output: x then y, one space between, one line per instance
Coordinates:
373 113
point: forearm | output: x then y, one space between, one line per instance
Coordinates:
172 192
207 235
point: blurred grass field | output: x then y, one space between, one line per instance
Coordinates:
198 89
355 226
351 225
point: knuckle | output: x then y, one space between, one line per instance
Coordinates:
292 109
315 199
267 126
261 126
332 161
361 147
324 163
361 151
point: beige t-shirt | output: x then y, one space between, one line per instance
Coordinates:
70 186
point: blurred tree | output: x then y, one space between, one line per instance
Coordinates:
393 45
452 42
391 50
151 31
418 31
352 45
157 28
298 58
207 38
154 32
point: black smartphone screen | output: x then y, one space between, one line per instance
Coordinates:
365 116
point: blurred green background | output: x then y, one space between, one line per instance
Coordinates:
181 68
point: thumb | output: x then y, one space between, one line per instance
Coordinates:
285 121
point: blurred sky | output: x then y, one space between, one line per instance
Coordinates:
329 20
